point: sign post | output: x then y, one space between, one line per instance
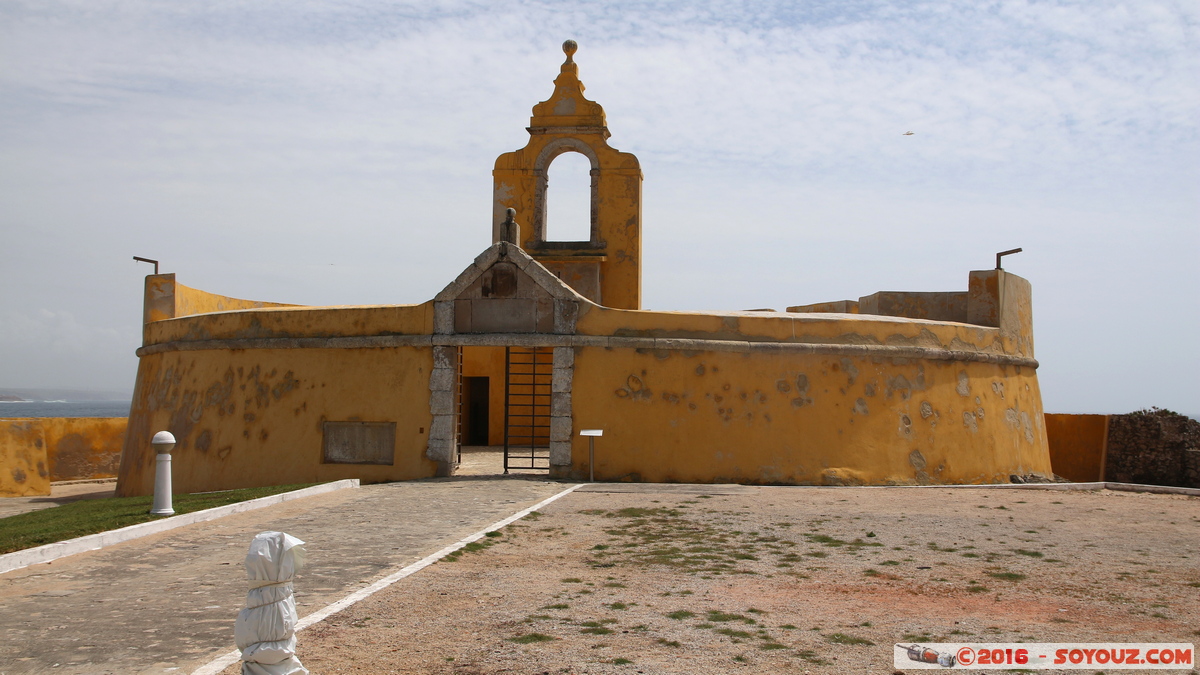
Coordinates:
591 434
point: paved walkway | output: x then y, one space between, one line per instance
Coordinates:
166 603
488 460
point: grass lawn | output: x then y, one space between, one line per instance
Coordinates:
77 519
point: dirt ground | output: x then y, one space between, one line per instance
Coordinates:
780 580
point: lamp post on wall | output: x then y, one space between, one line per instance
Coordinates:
162 443
591 434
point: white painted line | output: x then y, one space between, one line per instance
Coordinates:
61 549
225 660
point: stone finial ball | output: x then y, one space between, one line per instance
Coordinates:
569 47
163 441
511 213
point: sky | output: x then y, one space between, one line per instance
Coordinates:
340 152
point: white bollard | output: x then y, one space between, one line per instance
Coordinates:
162 442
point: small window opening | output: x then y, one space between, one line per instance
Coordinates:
569 198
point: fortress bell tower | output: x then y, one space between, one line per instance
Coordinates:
607 268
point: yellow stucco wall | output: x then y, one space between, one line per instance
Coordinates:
24 465
489 362
252 417
690 413
790 418
716 409
35 451
1077 445
80 448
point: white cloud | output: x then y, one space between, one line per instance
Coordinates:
50 348
340 152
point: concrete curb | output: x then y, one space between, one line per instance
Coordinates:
228 659
61 549
1160 489
1121 487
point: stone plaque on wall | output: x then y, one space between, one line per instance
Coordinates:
359 443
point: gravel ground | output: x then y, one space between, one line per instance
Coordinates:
781 580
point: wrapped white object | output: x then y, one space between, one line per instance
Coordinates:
266 630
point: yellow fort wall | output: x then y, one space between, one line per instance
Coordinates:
80 448
703 416
36 451
899 388
814 398
756 397
252 417
24 465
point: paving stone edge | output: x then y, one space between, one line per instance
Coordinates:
61 549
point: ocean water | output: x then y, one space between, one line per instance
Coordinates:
64 409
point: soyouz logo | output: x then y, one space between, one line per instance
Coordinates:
1044 656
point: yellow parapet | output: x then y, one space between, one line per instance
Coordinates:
166 299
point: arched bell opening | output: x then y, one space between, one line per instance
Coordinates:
580 236
569 193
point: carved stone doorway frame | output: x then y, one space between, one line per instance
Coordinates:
443 384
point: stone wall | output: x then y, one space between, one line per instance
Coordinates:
1155 447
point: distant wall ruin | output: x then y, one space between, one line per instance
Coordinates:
1155 447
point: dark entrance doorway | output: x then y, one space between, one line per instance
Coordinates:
476 413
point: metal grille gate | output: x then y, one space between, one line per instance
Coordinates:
458 405
528 372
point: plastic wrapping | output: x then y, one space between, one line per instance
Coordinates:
266 630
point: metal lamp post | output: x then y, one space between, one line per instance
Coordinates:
591 434
162 443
